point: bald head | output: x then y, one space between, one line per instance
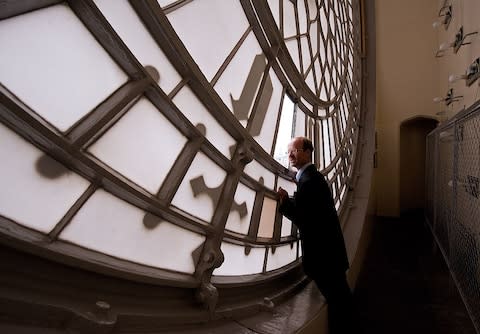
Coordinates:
300 152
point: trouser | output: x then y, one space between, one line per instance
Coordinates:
335 289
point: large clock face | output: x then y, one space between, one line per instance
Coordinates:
131 128
319 37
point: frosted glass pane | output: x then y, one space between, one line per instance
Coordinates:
310 82
300 124
128 26
286 227
267 218
27 196
326 143
289 186
111 226
306 57
237 263
209 29
292 47
312 8
202 205
235 221
265 138
289 22
275 9
302 17
232 81
55 66
165 2
257 172
323 20
314 37
142 145
283 255
196 112
285 129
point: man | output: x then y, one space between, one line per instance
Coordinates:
313 211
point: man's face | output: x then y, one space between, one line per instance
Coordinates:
297 156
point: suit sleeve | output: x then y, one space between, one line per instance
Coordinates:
288 208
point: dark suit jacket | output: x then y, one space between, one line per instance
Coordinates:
313 211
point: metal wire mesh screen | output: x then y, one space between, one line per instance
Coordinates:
453 203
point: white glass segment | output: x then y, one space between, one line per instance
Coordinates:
128 26
299 124
323 21
258 172
55 66
233 80
283 255
28 197
201 206
163 3
285 131
214 28
289 186
265 138
326 143
306 57
275 9
319 74
314 37
286 227
332 137
312 9
196 113
292 47
328 84
234 222
237 263
267 218
136 147
302 17
310 82
289 22
111 226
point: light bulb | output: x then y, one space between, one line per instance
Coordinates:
452 78
444 46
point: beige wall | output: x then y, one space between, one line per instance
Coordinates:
406 85
412 175
465 13
409 76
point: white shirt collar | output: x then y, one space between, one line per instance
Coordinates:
301 170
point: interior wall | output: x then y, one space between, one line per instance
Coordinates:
406 84
413 134
464 15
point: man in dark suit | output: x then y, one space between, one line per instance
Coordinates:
313 211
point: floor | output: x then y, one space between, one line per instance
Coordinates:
405 286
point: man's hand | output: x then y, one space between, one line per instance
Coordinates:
282 195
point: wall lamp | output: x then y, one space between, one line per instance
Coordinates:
449 98
456 44
470 76
460 39
445 15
